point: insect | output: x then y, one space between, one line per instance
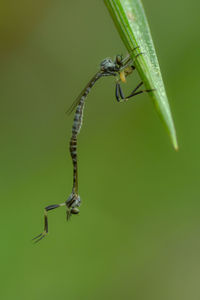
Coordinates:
119 68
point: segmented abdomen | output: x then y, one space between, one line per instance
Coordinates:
78 119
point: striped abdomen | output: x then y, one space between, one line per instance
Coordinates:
78 118
79 110
73 152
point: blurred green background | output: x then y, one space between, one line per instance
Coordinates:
138 233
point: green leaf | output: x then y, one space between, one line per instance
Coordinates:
132 25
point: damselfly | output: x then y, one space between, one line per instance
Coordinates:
119 68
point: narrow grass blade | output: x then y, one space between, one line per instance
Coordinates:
132 25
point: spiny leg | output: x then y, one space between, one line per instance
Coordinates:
136 88
135 93
138 93
44 233
128 63
119 93
126 59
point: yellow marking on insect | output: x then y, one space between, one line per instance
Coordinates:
122 76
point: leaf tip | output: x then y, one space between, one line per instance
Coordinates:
175 143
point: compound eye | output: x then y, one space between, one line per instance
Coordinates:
119 59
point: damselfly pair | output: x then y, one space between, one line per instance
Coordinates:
120 68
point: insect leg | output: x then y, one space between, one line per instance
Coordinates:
137 87
121 92
134 92
129 61
44 233
140 92
117 91
128 58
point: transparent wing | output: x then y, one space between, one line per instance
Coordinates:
75 103
77 100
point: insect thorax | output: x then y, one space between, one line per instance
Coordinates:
108 65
